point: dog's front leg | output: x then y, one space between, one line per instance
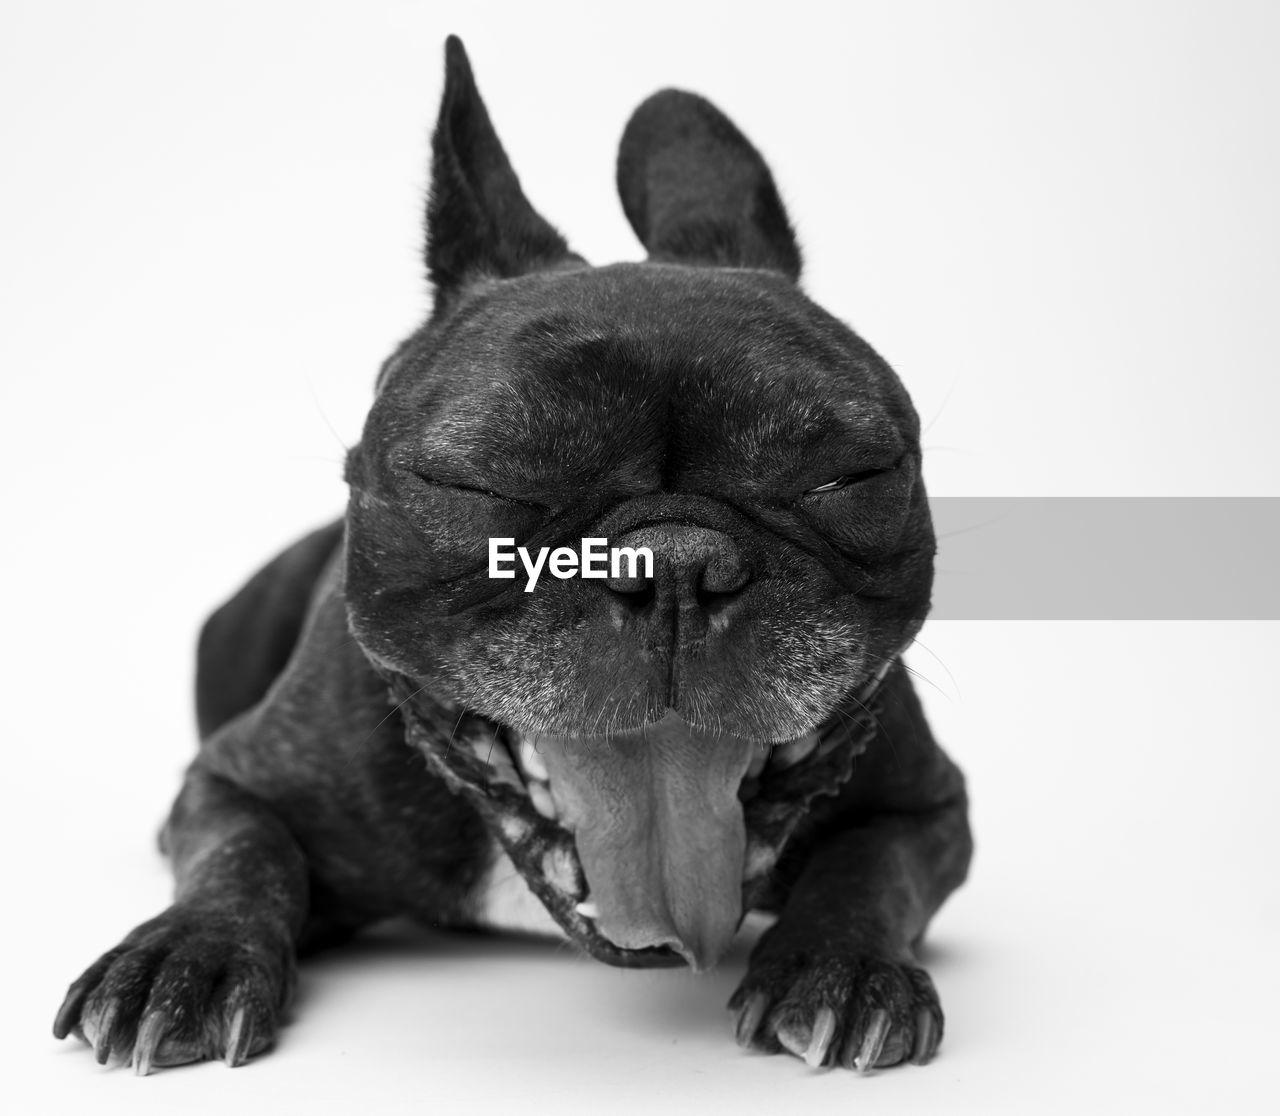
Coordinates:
211 975
836 980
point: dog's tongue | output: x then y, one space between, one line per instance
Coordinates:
659 831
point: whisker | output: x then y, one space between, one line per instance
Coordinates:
946 398
397 708
311 390
925 678
457 725
936 659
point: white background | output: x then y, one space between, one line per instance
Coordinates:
1057 221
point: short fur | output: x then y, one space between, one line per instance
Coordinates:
697 403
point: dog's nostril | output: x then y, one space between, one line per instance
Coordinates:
715 602
635 592
720 582
723 578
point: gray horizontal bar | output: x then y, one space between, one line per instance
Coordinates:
1107 558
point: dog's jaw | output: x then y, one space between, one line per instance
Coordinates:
501 773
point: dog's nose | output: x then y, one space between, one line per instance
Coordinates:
693 568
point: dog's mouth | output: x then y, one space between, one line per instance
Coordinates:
647 847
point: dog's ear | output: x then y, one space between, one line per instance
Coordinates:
479 223
696 191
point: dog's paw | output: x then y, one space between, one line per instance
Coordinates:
183 987
856 1012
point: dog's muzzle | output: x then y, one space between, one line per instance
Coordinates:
543 816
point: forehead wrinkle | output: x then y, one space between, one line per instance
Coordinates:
773 417
525 424
458 431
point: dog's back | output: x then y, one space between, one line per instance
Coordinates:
247 642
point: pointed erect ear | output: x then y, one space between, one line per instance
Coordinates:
479 223
697 192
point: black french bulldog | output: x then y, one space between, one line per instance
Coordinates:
385 727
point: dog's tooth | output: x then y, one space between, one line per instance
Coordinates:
514 829
540 796
793 751
557 790
588 909
760 858
758 761
494 754
531 761
560 868
833 741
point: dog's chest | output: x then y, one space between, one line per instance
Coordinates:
503 900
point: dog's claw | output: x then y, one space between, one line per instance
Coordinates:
181 988
149 1036
239 1036
102 1035
69 1014
824 1030
750 1017
926 1038
858 1013
873 1042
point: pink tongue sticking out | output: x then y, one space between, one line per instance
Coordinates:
659 831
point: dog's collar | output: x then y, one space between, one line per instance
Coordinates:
455 741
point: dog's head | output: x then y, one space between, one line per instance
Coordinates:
697 405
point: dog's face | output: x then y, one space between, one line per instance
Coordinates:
698 405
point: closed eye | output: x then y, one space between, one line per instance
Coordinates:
476 490
846 479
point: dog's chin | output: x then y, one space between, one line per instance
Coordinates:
646 845
758 707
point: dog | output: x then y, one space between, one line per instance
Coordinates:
389 726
